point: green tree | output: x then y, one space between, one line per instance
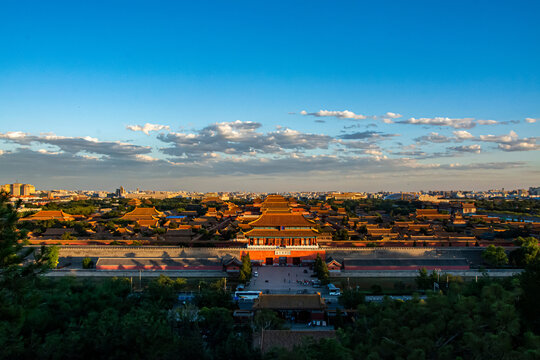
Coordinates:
321 270
67 236
87 263
267 320
164 290
495 256
424 280
528 252
341 234
12 252
528 302
351 298
245 269
50 255
214 295
216 324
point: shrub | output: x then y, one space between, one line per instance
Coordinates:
87 263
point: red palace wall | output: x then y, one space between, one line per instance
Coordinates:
156 267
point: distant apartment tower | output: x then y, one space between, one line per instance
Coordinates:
28 189
17 189
534 191
121 192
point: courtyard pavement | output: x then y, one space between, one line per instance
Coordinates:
283 280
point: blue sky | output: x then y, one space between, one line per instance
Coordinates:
228 83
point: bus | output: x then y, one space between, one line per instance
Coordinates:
247 295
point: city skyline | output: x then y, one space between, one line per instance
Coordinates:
352 97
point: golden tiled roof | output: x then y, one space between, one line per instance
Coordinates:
273 233
147 223
142 214
282 219
51 215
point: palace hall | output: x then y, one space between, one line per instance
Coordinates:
280 226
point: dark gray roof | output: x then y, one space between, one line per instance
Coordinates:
405 262
188 262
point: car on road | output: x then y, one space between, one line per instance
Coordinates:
256 273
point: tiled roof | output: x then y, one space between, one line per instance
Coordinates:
142 214
51 215
421 212
270 219
147 223
145 211
405 262
298 233
160 262
289 302
57 231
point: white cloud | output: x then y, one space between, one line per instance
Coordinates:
147 158
146 128
519 146
373 152
463 123
90 157
463 135
241 138
14 135
389 117
392 115
531 120
345 114
511 142
78 145
44 151
434 138
512 136
487 122
475 148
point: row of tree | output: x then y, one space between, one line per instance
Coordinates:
527 253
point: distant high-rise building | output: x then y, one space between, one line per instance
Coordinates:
17 189
28 189
121 192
